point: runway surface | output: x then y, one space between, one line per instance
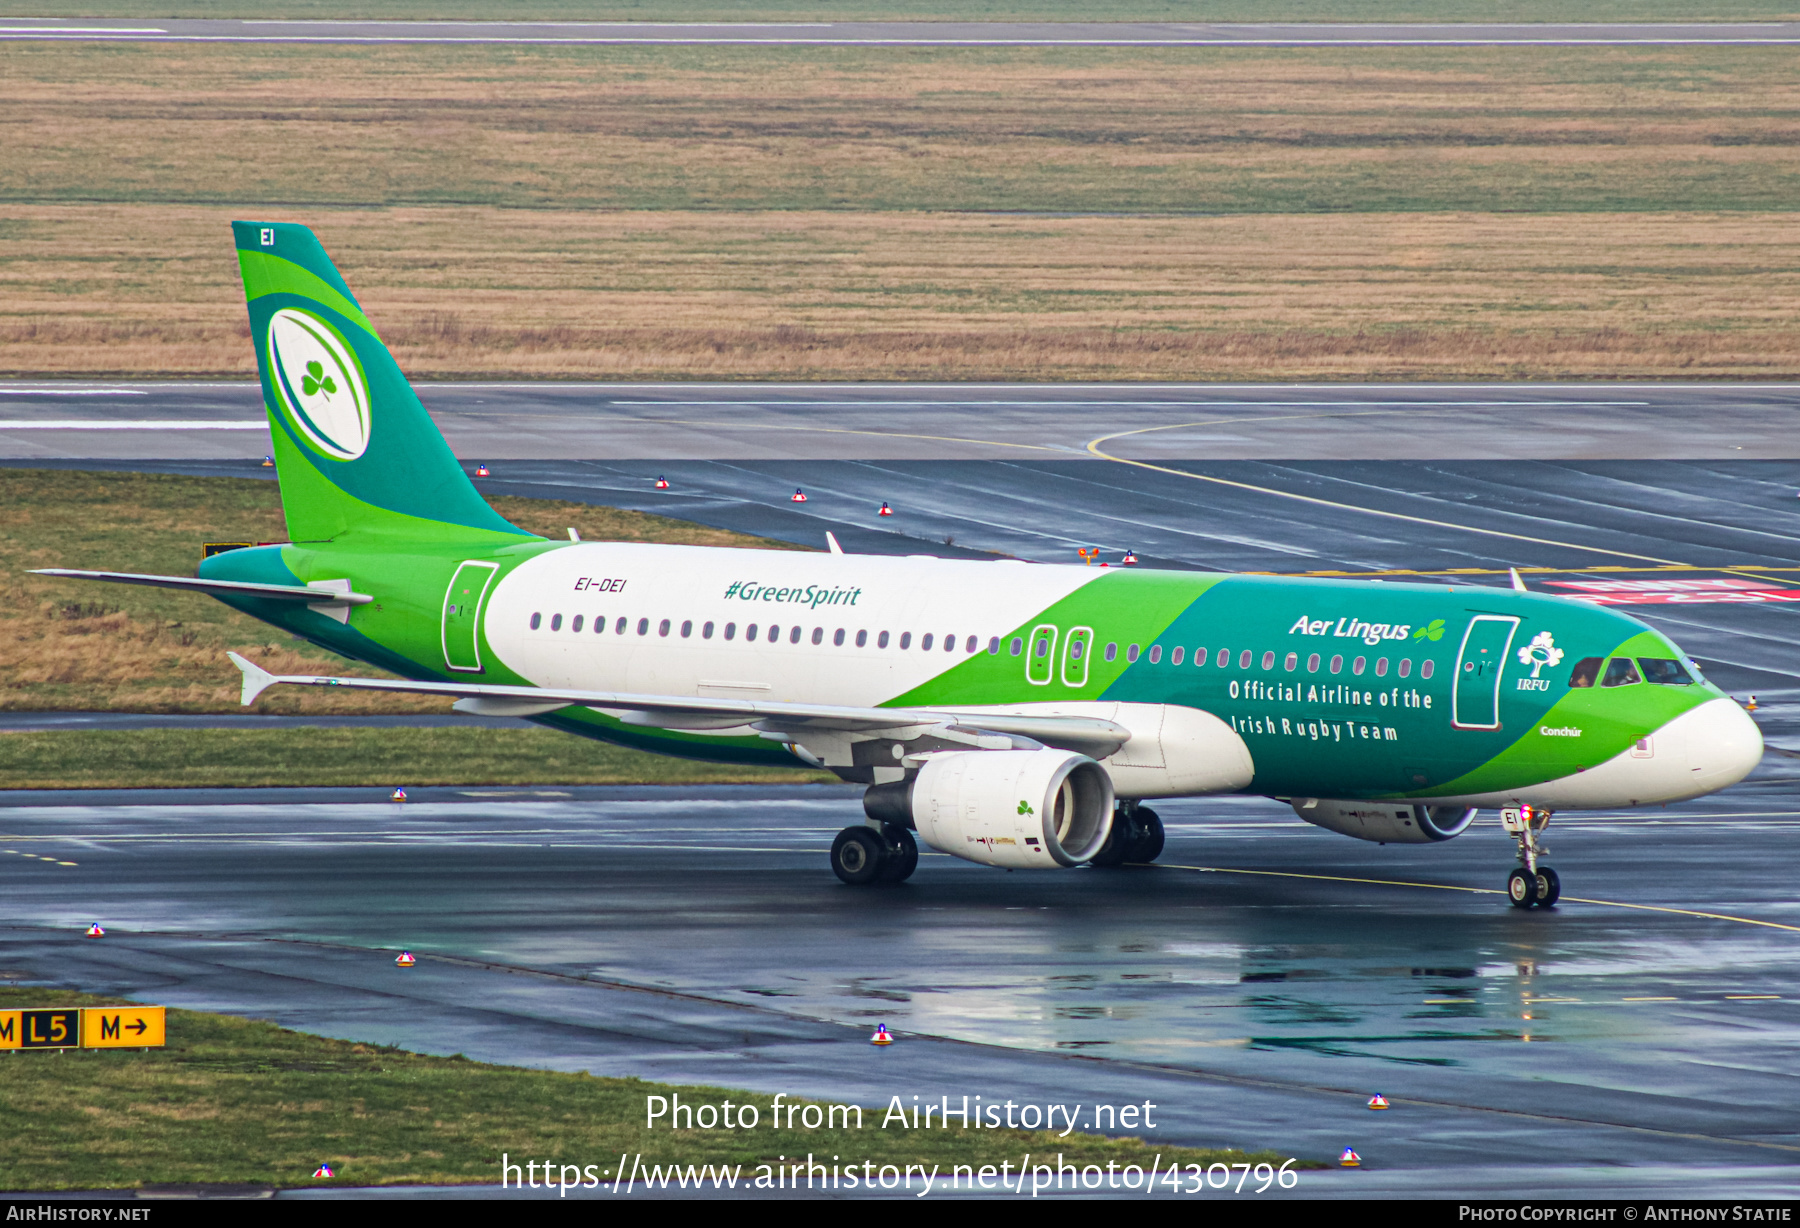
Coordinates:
1260 985
1257 989
902 33
755 422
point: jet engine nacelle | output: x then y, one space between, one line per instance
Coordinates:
1386 822
1022 809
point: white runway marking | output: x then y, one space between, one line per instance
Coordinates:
90 424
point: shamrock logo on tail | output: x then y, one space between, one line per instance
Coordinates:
1433 633
1025 807
316 379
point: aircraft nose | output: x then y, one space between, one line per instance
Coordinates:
1723 744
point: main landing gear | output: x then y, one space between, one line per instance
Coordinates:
869 854
1137 836
1533 884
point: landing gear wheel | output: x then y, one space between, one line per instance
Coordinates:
902 856
1149 844
1118 842
1521 888
1549 887
857 856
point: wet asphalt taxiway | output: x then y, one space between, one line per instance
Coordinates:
1259 986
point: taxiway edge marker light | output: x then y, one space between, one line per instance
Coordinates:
1350 1159
885 510
882 1035
398 795
95 931
799 496
404 960
662 483
323 1170
481 471
1378 1101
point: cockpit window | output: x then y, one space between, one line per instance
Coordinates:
1621 671
1586 670
1665 672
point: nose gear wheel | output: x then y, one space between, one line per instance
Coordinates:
1533 884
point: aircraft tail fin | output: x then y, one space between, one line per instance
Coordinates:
355 451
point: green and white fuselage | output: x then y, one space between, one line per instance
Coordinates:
998 707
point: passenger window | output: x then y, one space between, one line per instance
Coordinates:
1016 647
906 639
1425 668
774 633
1356 666
1292 663
881 641
1112 652
794 634
818 635
599 626
662 628
1075 649
619 627
1155 653
706 631
1381 667
1312 664
994 646
575 624
1175 657
1586 672
837 638
687 628
643 626
1665 672
1224 657
1620 671
537 620
731 631
556 622
862 639
1244 659
1268 661
925 644
974 642
1405 666
750 633
1131 654
950 642
1337 664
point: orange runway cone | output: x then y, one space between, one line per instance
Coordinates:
94 931
1378 1101
799 496
882 1035
1350 1159
404 960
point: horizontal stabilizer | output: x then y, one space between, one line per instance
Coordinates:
218 588
256 678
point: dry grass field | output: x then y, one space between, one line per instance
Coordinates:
65 644
949 213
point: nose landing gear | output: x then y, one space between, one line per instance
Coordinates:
1532 885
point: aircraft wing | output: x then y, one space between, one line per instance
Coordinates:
1090 735
236 588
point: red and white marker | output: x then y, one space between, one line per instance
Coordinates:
799 497
882 1035
323 1170
1350 1159
885 510
1129 559
398 795
662 483
1378 1101
481 471
405 959
94 931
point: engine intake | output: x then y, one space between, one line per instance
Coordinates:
1022 809
1386 822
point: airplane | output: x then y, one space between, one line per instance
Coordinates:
1013 714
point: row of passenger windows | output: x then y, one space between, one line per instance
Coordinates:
770 634
1623 671
1246 659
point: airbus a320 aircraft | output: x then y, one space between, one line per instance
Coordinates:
1016 715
